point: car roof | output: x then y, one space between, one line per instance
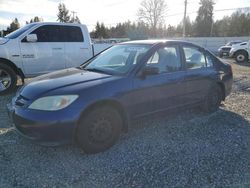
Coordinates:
57 23
154 42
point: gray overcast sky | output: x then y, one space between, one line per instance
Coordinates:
108 11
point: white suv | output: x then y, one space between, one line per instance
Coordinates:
241 52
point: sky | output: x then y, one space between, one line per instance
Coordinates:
108 11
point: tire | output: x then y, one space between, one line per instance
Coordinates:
99 129
213 100
8 79
241 57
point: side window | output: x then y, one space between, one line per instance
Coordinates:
73 34
166 59
49 33
194 58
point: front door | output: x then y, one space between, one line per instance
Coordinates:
164 90
45 55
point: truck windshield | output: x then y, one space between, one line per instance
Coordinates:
117 59
20 31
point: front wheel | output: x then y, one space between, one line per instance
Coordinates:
213 99
8 79
241 57
99 129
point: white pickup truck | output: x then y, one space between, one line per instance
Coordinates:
241 52
39 48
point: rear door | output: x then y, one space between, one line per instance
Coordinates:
45 55
199 73
77 47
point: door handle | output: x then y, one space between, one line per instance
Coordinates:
56 48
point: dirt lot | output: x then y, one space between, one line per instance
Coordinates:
190 149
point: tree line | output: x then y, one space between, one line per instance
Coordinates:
150 23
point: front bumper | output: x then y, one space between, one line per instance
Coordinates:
42 127
231 54
223 53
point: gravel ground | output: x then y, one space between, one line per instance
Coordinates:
185 150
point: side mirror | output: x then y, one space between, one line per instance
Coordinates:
148 70
31 38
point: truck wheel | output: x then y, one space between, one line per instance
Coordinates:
8 79
99 129
241 57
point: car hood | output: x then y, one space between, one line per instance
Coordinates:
226 47
59 79
239 45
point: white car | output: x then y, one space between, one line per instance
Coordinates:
241 52
40 48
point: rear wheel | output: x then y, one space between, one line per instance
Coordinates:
8 79
213 99
99 129
241 57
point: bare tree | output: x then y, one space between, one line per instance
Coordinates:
152 12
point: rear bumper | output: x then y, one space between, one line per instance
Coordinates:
52 130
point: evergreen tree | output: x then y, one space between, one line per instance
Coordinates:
204 19
75 20
103 31
63 13
35 19
14 25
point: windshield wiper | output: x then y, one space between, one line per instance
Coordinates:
96 70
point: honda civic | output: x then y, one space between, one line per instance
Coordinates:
94 103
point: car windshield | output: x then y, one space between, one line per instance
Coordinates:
118 59
20 31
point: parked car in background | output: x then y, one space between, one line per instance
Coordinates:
224 50
241 52
92 104
42 47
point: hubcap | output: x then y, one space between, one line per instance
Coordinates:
5 80
240 57
100 130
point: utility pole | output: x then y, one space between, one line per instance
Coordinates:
212 27
184 19
73 12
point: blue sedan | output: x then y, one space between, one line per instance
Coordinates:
94 103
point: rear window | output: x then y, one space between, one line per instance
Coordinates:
73 34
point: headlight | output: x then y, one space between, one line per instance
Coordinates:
53 103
